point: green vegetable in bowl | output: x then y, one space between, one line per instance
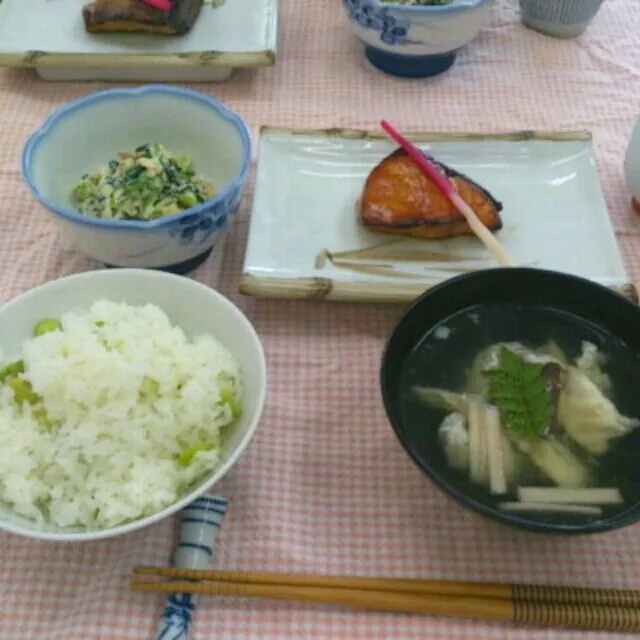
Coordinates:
186 457
146 184
12 370
519 390
22 391
46 326
10 373
227 397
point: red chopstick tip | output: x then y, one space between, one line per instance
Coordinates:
427 166
388 127
162 5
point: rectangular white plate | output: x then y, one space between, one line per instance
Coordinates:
49 35
305 240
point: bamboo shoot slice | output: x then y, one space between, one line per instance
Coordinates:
442 399
558 463
495 454
548 507
561 495
478 464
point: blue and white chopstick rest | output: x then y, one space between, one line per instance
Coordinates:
200 523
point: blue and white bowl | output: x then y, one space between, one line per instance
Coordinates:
85 134
415 41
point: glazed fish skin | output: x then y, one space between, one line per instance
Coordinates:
399 198
133 16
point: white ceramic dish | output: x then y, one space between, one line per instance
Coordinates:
195 308
229 34
305 240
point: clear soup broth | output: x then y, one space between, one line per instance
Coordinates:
578 451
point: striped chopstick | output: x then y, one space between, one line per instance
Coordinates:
520 592
538 605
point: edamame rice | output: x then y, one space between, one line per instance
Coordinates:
110 414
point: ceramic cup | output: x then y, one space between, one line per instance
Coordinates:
632 166
559 18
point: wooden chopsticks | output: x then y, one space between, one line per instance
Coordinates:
572 607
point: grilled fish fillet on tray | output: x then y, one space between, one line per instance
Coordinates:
135 16
399 198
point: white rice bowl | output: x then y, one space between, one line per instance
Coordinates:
138 401
128 393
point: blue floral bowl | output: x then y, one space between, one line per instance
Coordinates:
415 41
85 134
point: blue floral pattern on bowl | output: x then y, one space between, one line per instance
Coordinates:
391 30
197 228
415 41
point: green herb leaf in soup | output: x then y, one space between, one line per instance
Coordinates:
146 184
520 390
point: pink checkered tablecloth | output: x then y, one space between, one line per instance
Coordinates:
325 486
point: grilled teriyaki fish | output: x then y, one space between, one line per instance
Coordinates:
136 16
399 198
